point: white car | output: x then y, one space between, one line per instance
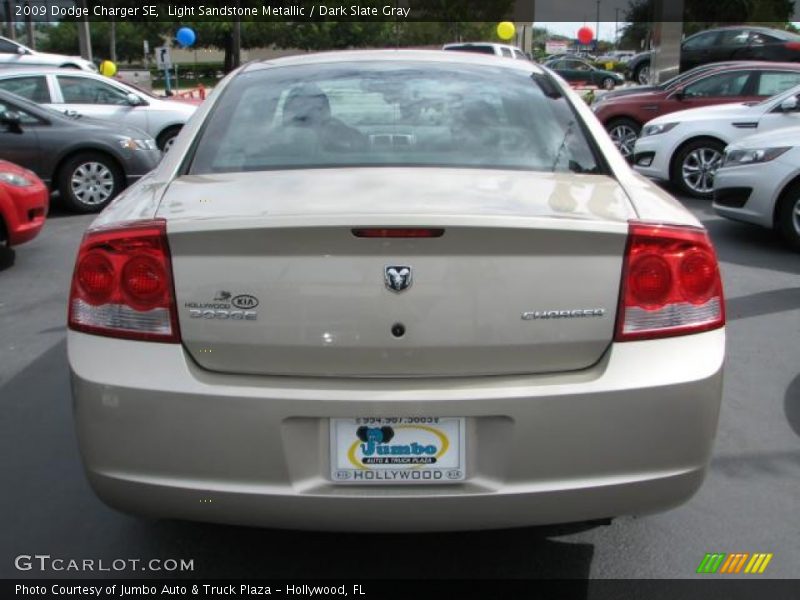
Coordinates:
686 147
14 54
759 182
504 50
100 97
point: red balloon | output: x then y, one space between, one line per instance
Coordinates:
585 35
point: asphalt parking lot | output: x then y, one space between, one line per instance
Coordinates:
749 502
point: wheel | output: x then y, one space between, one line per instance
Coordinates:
88 181
607 83
788 216
624 133
694 166
166 138
642 74
70 66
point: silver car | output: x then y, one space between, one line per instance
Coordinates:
100 97
395 290
14 54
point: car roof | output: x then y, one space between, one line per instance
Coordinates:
757 28
431 56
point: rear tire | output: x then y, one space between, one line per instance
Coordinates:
694 165
88 181
607 83
624 133
642 73
787 220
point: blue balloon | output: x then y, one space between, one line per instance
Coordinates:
186 36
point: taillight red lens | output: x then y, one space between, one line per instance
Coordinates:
670 283
143 282
95 275
650 280
793 45
122 285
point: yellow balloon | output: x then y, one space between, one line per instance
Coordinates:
108 68
506 30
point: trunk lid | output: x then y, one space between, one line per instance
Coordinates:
270 278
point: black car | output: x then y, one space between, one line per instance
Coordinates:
580 72
725 43
88 161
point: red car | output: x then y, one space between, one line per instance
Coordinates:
24 200
623 116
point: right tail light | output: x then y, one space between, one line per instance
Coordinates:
670 283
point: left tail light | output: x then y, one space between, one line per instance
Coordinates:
122 284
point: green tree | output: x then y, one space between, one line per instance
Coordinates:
63 38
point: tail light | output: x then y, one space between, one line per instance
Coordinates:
407 232
792 45
670 283
122 284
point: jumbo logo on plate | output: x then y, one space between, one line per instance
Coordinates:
423 445
397 450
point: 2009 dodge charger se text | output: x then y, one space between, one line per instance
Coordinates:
395 290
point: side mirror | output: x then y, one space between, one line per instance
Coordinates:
133 99
11 120
21 51
789 105
679 93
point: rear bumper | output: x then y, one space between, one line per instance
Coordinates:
23 211
161 437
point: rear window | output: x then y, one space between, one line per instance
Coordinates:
391 114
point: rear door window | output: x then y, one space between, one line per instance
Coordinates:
34 88
83 90
721 84
775 82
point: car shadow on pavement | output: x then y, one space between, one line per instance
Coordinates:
762 303
50 509
224 551
7 258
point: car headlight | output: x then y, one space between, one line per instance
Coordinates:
15 179
144 144
752 155
657 128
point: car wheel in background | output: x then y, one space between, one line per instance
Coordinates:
89 181
788 216
608 83
642 74
166 138
694 166
624 133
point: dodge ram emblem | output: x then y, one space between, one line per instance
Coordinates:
397 277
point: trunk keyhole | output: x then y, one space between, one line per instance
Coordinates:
398 330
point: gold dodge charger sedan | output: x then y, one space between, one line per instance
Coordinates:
395 291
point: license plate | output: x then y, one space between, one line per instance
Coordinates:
397 450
